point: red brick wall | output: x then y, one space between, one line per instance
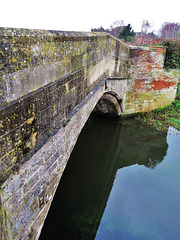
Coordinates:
149 86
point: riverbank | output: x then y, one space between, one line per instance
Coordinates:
162 118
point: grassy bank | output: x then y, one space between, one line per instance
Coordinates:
162 118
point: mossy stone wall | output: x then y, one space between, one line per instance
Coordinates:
30 59
50 83
44 75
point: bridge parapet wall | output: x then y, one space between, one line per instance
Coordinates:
44 76
50 83
31 59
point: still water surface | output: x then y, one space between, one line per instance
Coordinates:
122 182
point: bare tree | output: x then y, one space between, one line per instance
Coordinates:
116 27
118 23
145 26
170 30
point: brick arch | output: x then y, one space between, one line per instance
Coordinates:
109 104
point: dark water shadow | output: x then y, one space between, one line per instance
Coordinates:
104 146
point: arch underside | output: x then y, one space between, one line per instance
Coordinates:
108 104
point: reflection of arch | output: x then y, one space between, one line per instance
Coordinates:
109 103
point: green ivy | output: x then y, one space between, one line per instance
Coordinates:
172 58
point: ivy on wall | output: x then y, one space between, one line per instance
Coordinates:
172 58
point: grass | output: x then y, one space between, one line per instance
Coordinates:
162 118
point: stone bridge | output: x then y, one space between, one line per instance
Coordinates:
50 82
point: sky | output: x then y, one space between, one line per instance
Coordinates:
82 15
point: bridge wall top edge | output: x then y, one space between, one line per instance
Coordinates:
40 33
32 35
148 48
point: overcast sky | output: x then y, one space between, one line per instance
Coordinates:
82 15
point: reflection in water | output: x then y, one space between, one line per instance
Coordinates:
105 194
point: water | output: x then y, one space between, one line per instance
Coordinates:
121 183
